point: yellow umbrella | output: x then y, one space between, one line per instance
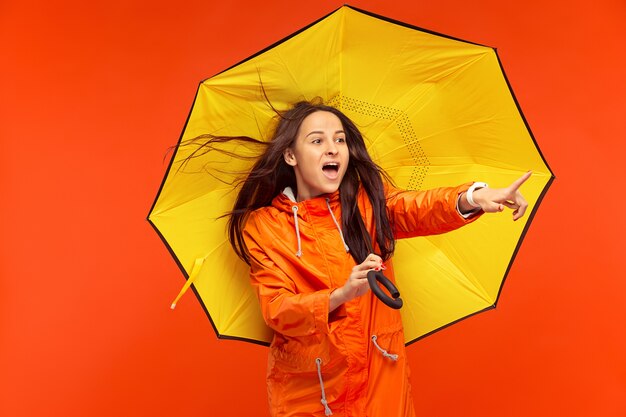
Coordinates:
434 110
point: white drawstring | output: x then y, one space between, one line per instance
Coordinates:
289 193
393 357
295 219
327 409
337 224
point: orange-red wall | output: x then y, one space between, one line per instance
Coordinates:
93 93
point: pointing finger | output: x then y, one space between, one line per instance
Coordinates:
521 180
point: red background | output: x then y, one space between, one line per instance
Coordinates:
93 94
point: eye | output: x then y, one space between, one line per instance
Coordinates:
340 140
316 140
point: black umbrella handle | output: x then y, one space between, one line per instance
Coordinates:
394 301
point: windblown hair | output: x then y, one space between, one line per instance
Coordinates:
270 175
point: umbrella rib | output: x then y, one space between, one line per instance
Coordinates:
444 75
291 74
470 284
457 69
454 128
235 315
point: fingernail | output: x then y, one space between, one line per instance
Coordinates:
382 265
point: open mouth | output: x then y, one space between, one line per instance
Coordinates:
331 169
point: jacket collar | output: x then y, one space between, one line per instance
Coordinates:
323 205
317 205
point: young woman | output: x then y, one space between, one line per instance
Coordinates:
313 216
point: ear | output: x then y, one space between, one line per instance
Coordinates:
289 156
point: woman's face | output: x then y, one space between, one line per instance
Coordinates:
319 155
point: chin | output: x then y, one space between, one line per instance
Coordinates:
326 190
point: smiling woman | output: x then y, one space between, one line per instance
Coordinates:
312 218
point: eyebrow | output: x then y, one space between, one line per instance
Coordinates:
319 132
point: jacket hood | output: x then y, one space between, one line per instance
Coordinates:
321 206
317 206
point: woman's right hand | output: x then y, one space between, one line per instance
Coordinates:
357 284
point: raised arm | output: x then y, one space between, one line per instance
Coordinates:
429 212
494 200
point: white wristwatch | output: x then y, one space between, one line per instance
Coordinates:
470 193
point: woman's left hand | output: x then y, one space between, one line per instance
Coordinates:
493 200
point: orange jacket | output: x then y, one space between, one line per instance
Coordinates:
317 357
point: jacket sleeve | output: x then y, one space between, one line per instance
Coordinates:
430 212
285 309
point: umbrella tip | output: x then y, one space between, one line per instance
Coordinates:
173 306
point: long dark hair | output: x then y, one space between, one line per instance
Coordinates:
270 175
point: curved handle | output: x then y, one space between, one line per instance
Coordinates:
394 301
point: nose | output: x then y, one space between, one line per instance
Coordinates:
332 149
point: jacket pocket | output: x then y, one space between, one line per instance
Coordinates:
388 342
298 355
296 383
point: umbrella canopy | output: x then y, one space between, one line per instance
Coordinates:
434 111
